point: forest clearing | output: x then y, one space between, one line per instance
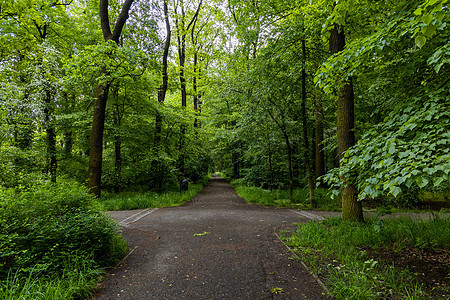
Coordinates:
330 114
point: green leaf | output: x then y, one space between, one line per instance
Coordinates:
421 182
429 30
395 190
438 67
391 147
437 181
420 41
428 18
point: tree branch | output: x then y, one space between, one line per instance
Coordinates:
120 23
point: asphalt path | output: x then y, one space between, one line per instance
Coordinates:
215 247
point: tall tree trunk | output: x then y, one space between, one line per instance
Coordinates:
51 137
270 170
318 145
165 78
96 141
181 38
194 86
118 163
68 143
351 207
235 160
98 118
118 114
68 133
289 160
305 131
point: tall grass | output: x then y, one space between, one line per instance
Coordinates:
336 250
76 282
137 200
280 198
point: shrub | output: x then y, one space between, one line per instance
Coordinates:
50 226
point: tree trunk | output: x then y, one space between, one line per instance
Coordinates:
165 78
194 86
289 160
305 131
51 137
270 170
96 141
118 163
68 143
318 145
351 207
235 160
181 38
98 118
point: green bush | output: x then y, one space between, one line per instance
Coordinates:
50 226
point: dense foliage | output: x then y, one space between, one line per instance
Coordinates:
396 55
134 96
45 228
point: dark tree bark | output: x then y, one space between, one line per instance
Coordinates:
289 159
282 126
270 169
351 207
96 141
197 71
98 118
235 160
119 110
52 162
181 38
305 131
318 143
165 78
194 86
68 143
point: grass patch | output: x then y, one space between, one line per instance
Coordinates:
352 258
280 198
137 200
77 281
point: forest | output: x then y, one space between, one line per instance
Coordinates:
342 101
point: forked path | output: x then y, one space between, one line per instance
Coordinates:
215 247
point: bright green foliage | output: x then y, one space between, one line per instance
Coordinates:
400 71
104 63
411 148
46 228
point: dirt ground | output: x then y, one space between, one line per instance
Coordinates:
214 247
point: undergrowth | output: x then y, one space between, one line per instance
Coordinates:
336 251
280 198
137 200
54 241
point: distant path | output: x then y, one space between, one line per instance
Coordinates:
215 247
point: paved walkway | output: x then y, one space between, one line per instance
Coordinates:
215 247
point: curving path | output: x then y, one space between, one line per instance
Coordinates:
215 247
